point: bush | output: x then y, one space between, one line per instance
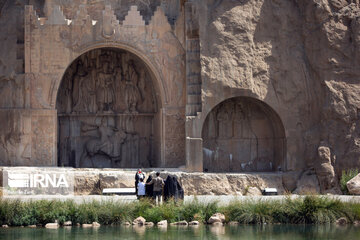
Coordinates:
311 209
316 210
345 177
252 212
197 211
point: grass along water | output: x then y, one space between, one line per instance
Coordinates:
309 210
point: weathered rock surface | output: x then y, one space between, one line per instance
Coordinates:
357 223
342 221
139 221
92 181
217 218
87 225
149 224
180 223
314 89
353 185
290 180
307 184
253 191
162 223
52 225
223 184
325 171
96 224
194 223
67 223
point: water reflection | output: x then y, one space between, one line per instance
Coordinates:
281 232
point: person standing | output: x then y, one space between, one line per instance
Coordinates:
139 174
158 186
141 189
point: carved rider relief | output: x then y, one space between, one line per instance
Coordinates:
106 106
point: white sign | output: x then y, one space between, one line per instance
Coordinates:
38 181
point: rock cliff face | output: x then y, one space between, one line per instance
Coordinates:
331 38
298 57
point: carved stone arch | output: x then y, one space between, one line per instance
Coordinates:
243 134
109 108
158 82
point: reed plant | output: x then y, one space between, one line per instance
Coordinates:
301 210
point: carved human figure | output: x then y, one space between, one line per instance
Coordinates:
9 90
239 121
104 89
132 92
104 144
325 170
225 122
81 89
92 71
119 83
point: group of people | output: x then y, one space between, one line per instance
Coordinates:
140 186
156 187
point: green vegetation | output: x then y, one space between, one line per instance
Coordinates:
310 209
345 177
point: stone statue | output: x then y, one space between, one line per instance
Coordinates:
85 91
108 143
325 171
132 93
92 71
105 94
239 120
81 89
225 122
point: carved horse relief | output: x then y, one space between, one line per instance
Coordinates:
106 108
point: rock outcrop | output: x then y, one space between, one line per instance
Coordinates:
307 184
216 218
353 185
162 223
325 171
52 225
139 221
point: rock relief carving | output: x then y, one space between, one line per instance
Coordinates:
104 89
14 140
107 143
106 83
238 136
11 91
114 86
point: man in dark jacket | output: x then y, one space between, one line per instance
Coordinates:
158 185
